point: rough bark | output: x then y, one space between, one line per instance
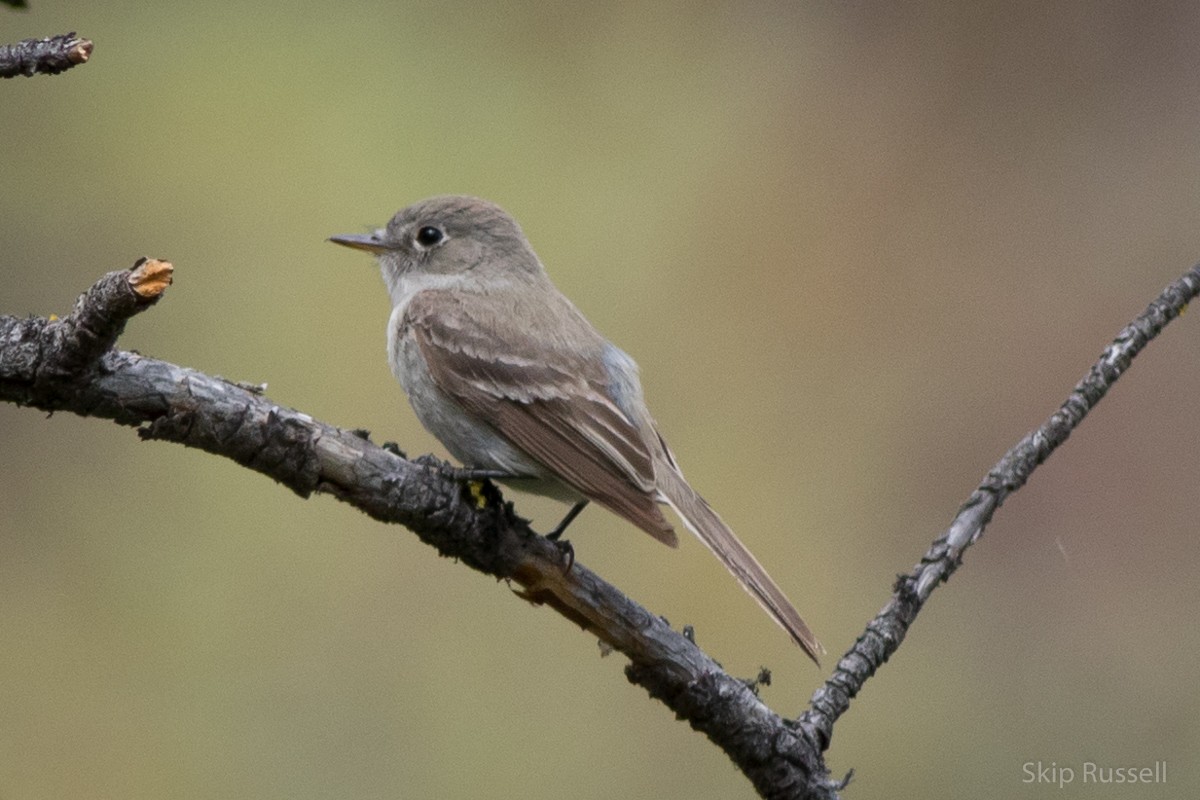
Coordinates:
71 365
48 56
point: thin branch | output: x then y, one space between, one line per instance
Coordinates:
48 56
886 631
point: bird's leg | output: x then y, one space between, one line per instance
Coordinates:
567 520
564 546
473 474
462 474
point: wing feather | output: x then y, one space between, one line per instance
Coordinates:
555 407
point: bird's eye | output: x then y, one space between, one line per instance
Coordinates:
429 236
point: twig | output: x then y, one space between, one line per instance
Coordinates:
886 631
48 56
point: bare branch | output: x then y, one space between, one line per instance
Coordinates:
99 317
69 365
48 56
886 631
62 366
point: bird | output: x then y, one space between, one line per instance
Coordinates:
510 376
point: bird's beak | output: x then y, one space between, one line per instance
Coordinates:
369 242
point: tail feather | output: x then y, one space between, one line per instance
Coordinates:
701 520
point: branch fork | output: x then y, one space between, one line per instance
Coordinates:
70 364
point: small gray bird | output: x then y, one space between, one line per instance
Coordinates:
511 378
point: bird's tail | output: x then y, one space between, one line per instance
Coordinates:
717 536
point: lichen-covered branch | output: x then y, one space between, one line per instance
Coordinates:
69 365
48 56
886 631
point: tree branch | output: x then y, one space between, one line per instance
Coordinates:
64 365
48 56
886 631
69 365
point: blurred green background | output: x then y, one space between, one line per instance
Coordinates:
858 251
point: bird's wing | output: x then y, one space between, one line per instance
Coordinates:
544 390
